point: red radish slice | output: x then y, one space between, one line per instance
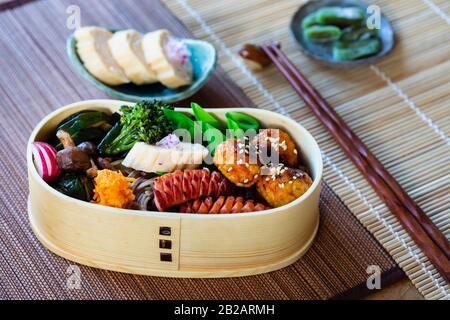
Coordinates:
44 158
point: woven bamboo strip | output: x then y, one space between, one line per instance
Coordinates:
399 108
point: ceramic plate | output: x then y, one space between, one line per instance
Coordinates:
323 52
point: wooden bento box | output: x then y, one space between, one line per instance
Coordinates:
132 241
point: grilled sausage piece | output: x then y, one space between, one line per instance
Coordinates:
178 187
223 204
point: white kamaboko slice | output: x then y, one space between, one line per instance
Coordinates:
126 48
152 158
93 50
168 57
44 158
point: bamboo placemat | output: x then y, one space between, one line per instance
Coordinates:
36 78
399 107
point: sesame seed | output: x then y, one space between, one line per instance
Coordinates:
255 176
246 180
267 179
229 169
295 151
291 182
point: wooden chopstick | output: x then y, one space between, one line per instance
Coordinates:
427 236
416 211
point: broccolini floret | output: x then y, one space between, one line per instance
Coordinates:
145 121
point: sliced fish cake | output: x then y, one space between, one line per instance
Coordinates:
168 57
93 50
126 48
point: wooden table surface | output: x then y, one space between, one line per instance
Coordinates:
401 290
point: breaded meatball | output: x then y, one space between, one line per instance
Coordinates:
232 158
283 185
276 140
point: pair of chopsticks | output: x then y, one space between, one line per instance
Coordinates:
419 226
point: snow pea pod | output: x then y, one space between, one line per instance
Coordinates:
355 50
235 130
180 120
340 16
201 115
242 121
322 33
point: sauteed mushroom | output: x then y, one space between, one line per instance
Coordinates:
71 158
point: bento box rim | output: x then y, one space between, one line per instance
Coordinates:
104 103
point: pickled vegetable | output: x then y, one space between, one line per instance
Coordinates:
355 50
322 33
358 33
340 16
309 21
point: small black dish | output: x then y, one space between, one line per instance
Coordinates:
323 52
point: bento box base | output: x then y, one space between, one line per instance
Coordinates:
169 273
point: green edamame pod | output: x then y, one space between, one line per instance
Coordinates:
322 33
309 21
340 16
355 50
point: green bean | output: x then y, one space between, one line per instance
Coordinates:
340 16
355 50
322 33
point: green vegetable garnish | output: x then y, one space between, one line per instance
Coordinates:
145 121
201 115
